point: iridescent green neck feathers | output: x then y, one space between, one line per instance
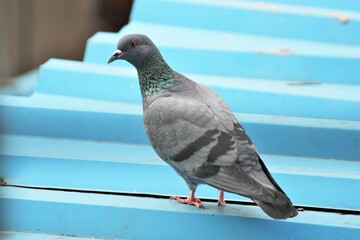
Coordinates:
155 76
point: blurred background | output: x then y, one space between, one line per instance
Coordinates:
32 31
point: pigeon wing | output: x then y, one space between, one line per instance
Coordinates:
188 135
248 157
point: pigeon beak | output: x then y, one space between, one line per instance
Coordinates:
115 56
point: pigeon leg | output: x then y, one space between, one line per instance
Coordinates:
191 200
221 201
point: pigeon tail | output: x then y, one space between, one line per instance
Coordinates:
278 211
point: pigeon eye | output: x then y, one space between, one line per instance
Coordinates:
133 44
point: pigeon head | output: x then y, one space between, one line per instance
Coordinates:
154 73
134 48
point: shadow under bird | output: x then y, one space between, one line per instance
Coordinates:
194 131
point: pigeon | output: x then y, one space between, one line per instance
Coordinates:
194 131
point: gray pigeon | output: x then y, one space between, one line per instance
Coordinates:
194 131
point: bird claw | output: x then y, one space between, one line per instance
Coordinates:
189 200
221 201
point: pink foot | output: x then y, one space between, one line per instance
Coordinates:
191 200
221 201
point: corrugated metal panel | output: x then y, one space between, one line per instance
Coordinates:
75 161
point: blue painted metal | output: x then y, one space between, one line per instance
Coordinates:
127 217
8 235
109 121
252 18
330 101
352 5
23 85
117 167
294 88
240 54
